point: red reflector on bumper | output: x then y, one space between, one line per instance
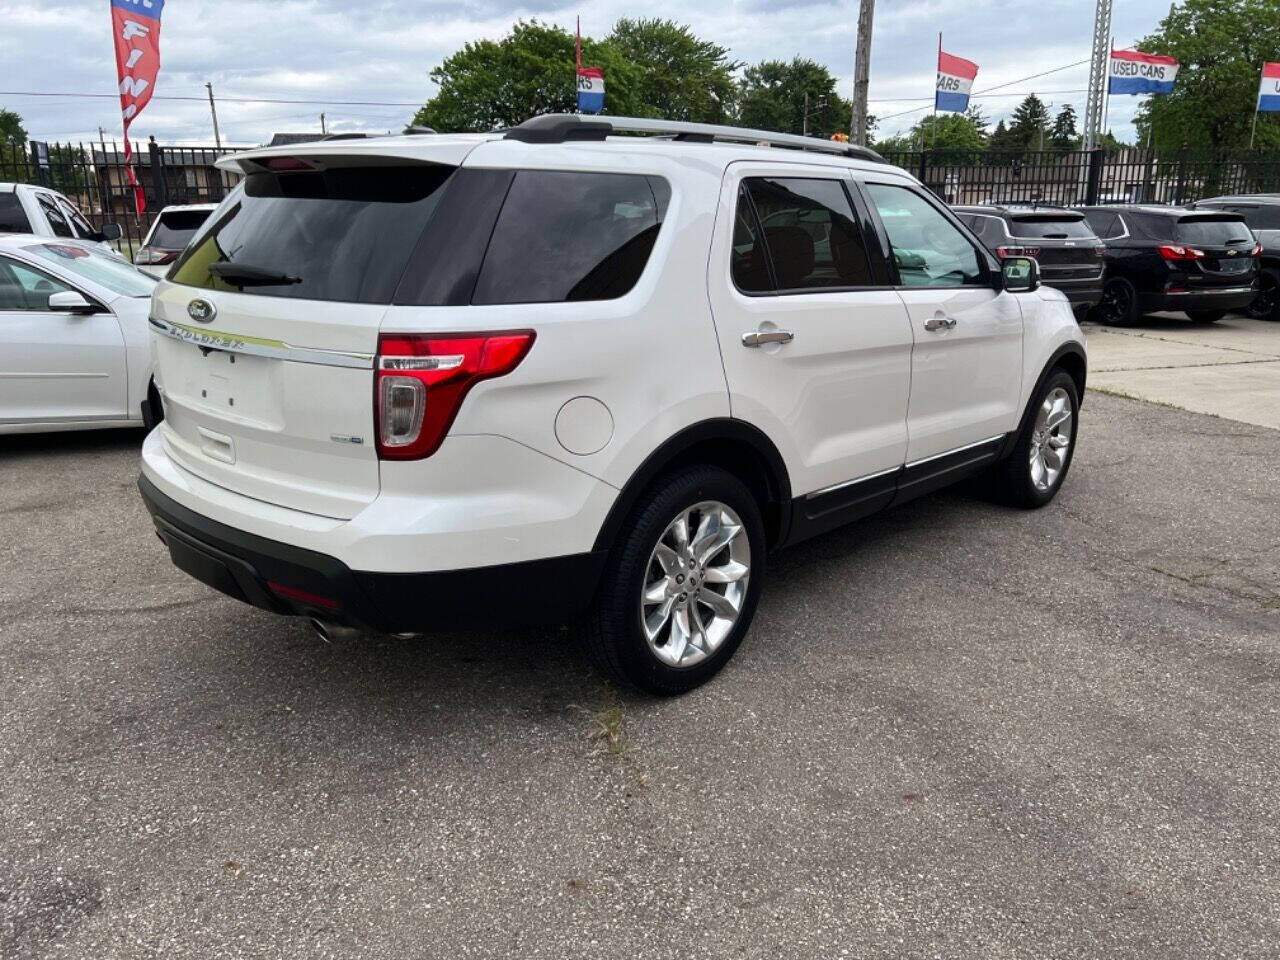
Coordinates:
302 596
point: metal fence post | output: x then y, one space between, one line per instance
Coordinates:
1093 187
924 164
157 173
1181 187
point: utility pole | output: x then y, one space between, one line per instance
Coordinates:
213 110
323 131
1098 70
861 74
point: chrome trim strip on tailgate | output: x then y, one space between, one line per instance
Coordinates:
260 346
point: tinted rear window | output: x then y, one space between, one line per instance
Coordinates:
571 236
1050 229
1213 232
13 219
344 234
177 227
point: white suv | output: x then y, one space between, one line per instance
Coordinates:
428 382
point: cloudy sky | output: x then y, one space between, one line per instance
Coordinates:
332 53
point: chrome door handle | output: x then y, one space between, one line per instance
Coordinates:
759 338
939 322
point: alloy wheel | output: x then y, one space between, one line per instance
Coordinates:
1264 303
1115 303
695 584
1050 439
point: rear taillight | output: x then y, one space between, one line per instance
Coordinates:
1176 251
286 164
1004 253
1257 250
153 258
1100 250
422 379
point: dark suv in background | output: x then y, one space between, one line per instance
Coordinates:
1201 263
1070 255
1261 211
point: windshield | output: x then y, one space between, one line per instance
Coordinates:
1056 228
177 227
106 271
1213 232
344 234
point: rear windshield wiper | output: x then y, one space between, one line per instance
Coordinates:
247 275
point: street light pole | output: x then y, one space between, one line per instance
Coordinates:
861 74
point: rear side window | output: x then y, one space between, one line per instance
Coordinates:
1212 232
1059 228
58 221
175 228
1106 224
13 219
344 234
571 236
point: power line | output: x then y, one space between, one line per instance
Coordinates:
1012 93
221 99
998 86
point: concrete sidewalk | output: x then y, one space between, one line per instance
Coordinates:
1229 369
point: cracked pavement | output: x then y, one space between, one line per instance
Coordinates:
1229 369
956 730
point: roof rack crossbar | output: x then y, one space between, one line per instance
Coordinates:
558 127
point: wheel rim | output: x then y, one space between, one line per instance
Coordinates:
1115 302
1050 439
695 584
1265 301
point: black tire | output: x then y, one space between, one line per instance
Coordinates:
1206 316
613 632
152 408
1266 305
1014 482
1119 304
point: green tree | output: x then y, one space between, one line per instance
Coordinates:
1220 45
772 97
489 84
679 76
999 141
1065 137
944 132
1029 126
12 132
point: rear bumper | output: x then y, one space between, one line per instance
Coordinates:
254 570
1200 298
1080 293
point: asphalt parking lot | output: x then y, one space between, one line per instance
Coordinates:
955 731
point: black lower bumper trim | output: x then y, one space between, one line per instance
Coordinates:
1205 298
239 564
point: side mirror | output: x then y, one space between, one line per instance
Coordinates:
1019 274
70 301
110 232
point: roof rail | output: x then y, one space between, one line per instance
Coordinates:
559 127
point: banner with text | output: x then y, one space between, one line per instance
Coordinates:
136 27
1269 92
955 81
1136 73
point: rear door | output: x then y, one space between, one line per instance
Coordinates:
264 339
816 348
966 368
1226 244
56 366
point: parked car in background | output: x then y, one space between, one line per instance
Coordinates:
1261 211
168 236
29 208
75 350
1069 253
548 374
1201 263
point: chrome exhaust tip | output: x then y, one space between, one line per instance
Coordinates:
329 632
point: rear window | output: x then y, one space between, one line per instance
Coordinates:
1212 231
571 236
176 228
1053 228
344 234
13 219
1105 223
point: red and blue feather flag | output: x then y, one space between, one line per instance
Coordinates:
590 82
1269 91
135 25
1134 72
955 81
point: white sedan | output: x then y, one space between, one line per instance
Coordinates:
75 351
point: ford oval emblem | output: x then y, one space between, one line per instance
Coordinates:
202 311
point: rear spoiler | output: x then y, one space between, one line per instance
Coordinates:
363 151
